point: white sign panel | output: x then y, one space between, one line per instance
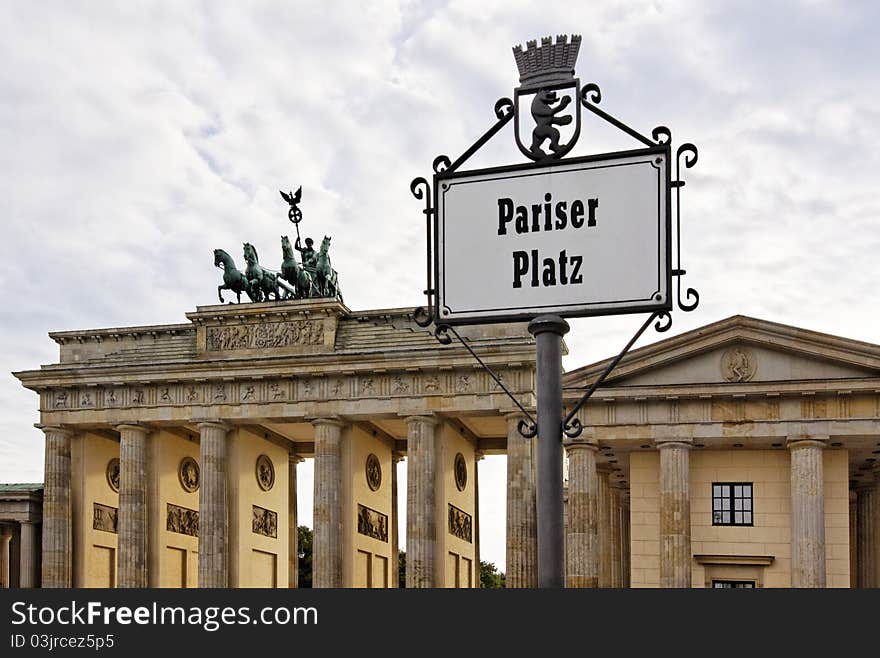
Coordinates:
582 237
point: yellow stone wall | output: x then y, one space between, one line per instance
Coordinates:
368 562
769 471
94 551
174 557
256 560
455 557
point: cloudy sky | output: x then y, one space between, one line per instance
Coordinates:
137 137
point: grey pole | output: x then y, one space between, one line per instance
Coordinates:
548 331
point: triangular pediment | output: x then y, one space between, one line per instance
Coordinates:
736 350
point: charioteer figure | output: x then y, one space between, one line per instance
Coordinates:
307 254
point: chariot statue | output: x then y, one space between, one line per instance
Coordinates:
312 277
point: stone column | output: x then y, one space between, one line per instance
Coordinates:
5 542
213 506
421 524
866 534
327 546
132 526
522 530
603 523
28 554
478 456
292 523
582 539
853 539
57 552
616 557
807 513
394 576
675 513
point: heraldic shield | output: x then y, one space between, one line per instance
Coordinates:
547 109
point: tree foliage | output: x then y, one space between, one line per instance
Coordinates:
304 546
490 577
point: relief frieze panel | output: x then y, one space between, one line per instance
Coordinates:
304 388
106 518
461 524
182 520
372 523
264 335
265 522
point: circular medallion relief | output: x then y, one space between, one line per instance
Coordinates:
265 473
188 474
460 468
374 472
738 364
113 474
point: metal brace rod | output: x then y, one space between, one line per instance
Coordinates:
571 426
529 431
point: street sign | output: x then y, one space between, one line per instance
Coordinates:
574 237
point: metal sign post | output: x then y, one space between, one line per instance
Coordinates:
548 331
555 238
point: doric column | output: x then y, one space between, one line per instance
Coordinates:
478 457
56 509
292 523
394 576
522 530
675 513
616 563
5 541
807 513
603 523
866 535
132 526
582 539
28 554
421 526
213 506
327 546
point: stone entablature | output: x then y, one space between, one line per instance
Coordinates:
277 361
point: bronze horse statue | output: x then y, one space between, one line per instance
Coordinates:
262 281
293 273
233 279
326 278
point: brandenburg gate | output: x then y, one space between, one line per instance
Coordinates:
172 450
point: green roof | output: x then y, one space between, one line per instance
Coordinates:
22 486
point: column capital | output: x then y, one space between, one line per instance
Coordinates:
664 443
428 419
332 421
294 458
5 532
133 427
213 424
55 429
396 456
580 443
793 443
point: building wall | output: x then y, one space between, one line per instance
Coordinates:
173 556
369 562
256 560
769 471
455 557
94 551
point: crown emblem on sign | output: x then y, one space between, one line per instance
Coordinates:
548 63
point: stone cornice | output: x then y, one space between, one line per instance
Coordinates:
98 335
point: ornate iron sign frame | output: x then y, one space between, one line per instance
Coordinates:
589 97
